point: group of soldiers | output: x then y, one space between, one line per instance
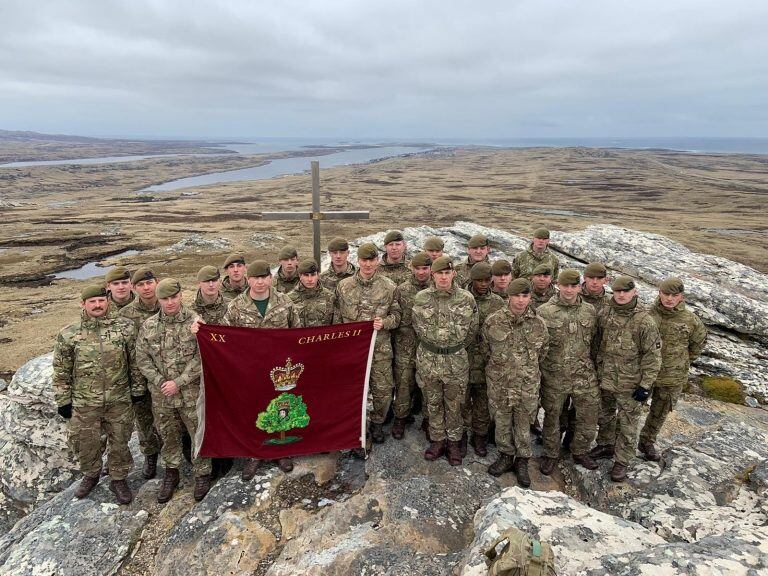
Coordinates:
479 346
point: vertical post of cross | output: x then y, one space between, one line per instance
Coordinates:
316 214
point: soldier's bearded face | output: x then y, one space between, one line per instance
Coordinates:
478 254
95 307
209 288
368 266
540 244
290 265
259 285
395 250
595 285
146 289
171 305
236 272
541 281
421 273
443 279
309 280
339 259
434 254
519 302
669 301
120 289
568 292
501 281
481 286
624 296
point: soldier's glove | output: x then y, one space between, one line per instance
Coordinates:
137 399
65 411
641 394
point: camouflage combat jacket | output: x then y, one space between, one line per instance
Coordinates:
397 272
167 350
463 269
487 304
599 302
358 299
94 363
210 313
569 363
515 346
114 308
406 341
137 312
445 319
629 354
538 299
313 306
330 278
283 283
683 337
500 293
526 261
243 312
230 292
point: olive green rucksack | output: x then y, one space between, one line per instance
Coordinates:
520 556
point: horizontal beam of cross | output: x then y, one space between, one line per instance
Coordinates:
362 215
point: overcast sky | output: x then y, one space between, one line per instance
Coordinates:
394 68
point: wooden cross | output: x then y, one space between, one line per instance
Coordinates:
316 215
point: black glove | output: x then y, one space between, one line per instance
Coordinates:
641 394
137 399
65 411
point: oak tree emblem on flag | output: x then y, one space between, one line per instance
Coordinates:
287 411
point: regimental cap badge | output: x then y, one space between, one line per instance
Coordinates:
286 377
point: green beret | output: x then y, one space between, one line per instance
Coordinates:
367 251
93 291
168 287
208 273
477 241
569 277
442 263
595 270
434 243
338 245
393 236
118 273
287 253
501 267
308 266
258 269
235 258
519 286
542 270
623 283
672 286
480 271
421 259
142 274
542 233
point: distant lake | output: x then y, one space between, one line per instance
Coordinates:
286 166
92 269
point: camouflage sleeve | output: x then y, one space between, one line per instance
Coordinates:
294 316
516 267
474 325
144 361
230 316
191 372
418 320
392 319
555 268
544 350
650 352
698 339
63 366
337 319
138 382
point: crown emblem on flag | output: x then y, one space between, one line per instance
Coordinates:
285 377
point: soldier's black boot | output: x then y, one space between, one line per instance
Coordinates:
121 491
170 481
462 445
377 433
547 465
585 460
619 472
454 452
285 464
202 485
436 450
601 452
249 470
480 444
503 464
649 450
521 471
398 428
87 484
150 466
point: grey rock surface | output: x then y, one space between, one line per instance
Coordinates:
198 243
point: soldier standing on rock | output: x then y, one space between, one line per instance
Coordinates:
683 337
628 362
501 272
406 342
537 253
516 340
146 305
445 320
312 302
119 289
478 248
287 272
393 264
167 355
234 282
94 381
209 302
340 268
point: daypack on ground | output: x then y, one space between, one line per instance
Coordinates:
520 556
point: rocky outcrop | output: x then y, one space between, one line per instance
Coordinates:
198 243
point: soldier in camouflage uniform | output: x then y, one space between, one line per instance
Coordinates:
406 342
569 369
209 302
478 248
593 287
434 247
537 253
167 355
683 337
516 341
119 289
312 302
340 268
541 285
501 271
394 264
234 282
369 295
94 380
446 321
261 306
628 361
146 305
476 416
287 274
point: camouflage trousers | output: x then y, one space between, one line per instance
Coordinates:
587 405
149 439
476 414
405 385
663 401
443 380
381 385
171 422
86 428
619 423
513 421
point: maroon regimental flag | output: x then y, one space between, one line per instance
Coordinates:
273 393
